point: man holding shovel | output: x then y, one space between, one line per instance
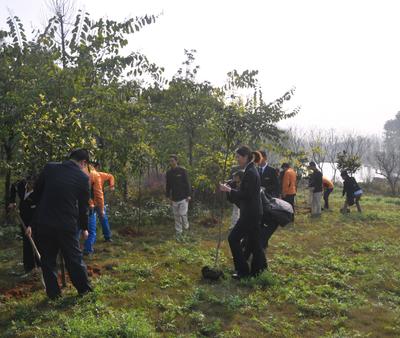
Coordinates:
62 194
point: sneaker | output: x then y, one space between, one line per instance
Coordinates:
108 240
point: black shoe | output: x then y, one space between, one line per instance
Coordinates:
108 240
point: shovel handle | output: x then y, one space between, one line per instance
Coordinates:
21 222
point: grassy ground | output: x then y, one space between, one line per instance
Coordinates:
337 276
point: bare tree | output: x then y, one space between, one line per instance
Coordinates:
355 145
295 140
388 162
317 146
333 147
63 11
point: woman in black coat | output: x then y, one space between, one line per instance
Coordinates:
24 190
248 225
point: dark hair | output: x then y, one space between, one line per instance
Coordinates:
31 178
239 173
245 151
344 173
312 164
175 157
79 155
263 153
285 165
257 157
95 163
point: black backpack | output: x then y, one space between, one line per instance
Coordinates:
276 210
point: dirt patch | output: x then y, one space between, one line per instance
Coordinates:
209 222
22 289
130 232
94 270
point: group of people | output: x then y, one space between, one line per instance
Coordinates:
320 186
62 204
59 207
252 180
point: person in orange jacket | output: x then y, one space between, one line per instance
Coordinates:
96 206
105 177
289 184
328 188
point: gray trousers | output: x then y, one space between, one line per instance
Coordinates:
180 210
316 203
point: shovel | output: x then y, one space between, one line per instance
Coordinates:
34 248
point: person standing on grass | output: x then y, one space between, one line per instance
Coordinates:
61 195
315 185
96 206
268 176
288 183
352 191
328 189
24 190
105 177
248 225
178 191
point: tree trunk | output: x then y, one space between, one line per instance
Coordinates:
63 52
190 150
7 182
139 201
221 213
126 189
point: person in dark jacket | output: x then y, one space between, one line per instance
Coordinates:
178 191
268 176
62 195
352 191
248 225
24 190
315 185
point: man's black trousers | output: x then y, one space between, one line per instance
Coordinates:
50 242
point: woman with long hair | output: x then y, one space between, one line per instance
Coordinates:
248 225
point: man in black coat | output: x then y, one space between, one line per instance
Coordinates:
268 176
24 190
62 195
178 191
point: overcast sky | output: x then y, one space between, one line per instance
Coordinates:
343 56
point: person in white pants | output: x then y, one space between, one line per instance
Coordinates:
180 210
178 191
